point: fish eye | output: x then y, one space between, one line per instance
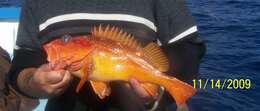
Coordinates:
66 38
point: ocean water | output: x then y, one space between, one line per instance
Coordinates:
231 30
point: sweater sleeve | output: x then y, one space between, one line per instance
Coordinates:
177 33
27 52
174 21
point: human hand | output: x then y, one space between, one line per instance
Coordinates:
141 92
182 107
49 82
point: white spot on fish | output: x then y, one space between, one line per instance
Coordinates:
157 72
102 54
138 53
118 66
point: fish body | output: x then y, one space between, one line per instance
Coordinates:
109 54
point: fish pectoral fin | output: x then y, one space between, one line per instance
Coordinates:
83 73
84 77
151 89
102 89
156 57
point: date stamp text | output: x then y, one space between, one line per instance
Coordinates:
222 84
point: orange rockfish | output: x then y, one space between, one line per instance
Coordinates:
109 54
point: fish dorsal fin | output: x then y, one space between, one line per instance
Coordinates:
156 56
115 34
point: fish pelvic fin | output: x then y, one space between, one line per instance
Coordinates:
156 57
179 90
101 89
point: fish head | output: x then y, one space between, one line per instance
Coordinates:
67 50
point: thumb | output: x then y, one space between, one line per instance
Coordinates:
54 77
45 67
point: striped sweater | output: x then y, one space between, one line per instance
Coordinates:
167 22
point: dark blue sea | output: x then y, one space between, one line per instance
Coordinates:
231 31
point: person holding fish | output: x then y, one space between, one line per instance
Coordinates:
129 55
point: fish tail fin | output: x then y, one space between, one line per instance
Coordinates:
179 90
